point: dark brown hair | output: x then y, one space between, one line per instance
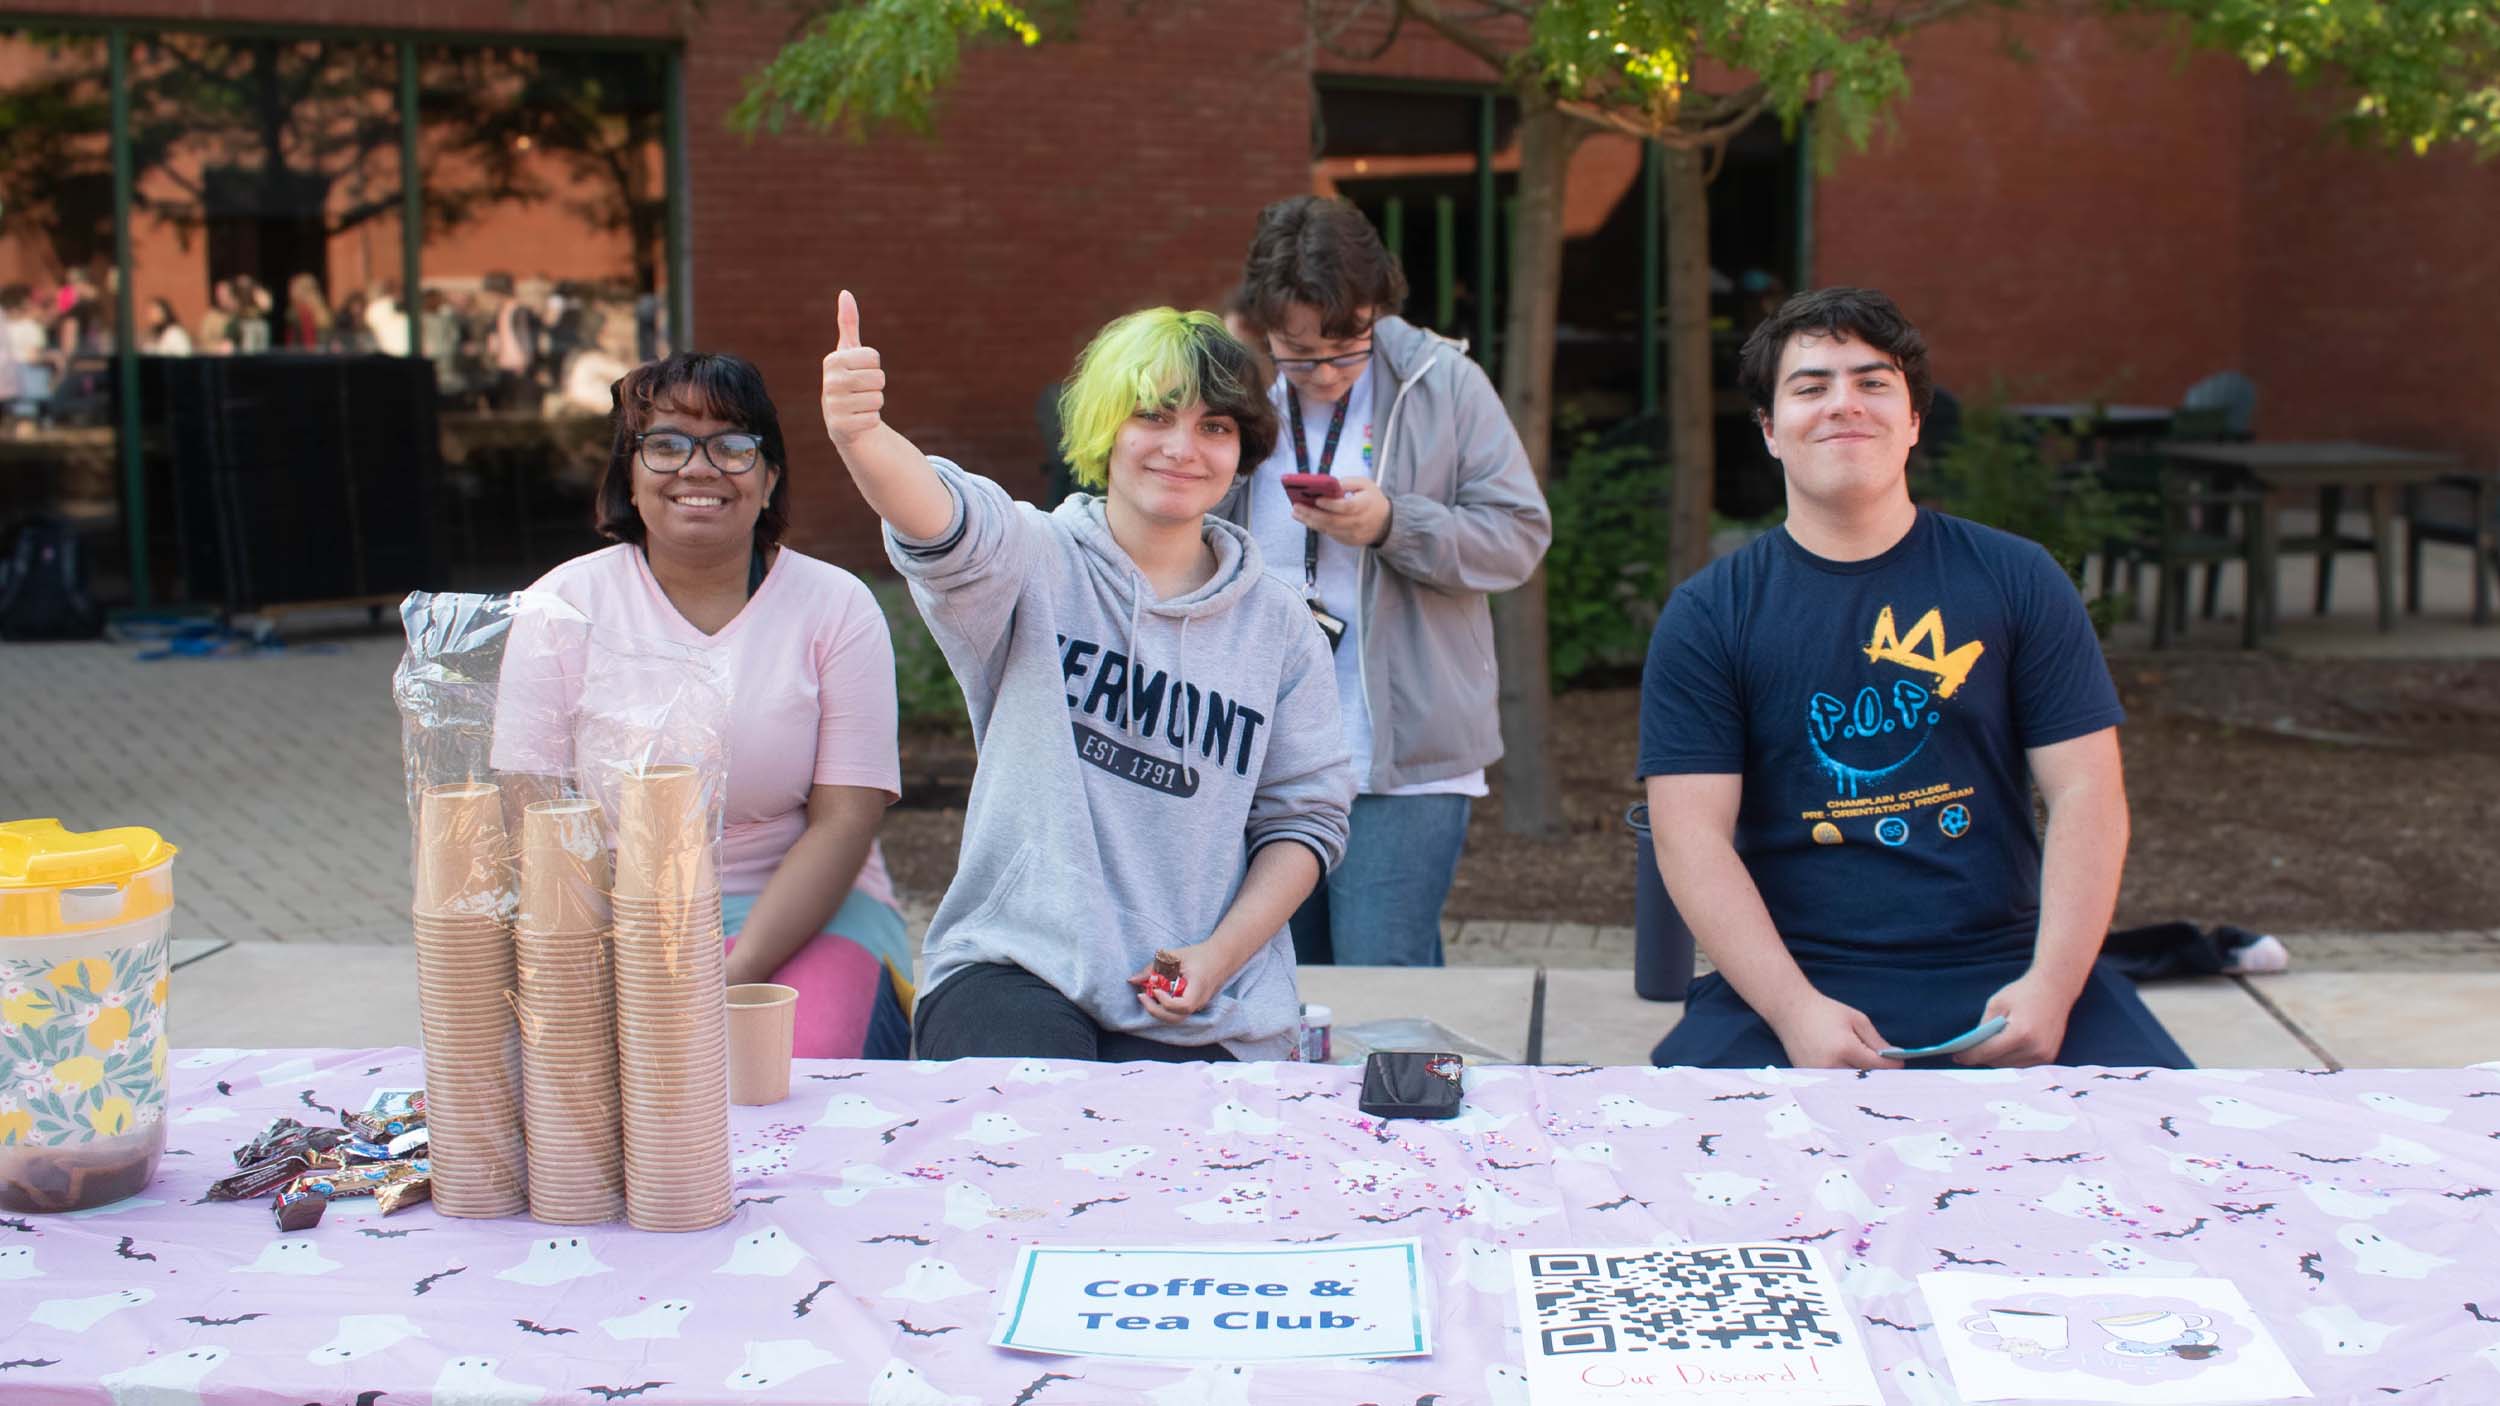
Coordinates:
1862 314
1321 252
714 385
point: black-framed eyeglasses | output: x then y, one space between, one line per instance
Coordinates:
1344 361
730 451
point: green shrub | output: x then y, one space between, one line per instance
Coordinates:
1995 475
1606 574
925 692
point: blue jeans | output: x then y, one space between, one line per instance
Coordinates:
1381 907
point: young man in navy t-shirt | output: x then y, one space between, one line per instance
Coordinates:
1840 728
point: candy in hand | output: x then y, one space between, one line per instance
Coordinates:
1167 976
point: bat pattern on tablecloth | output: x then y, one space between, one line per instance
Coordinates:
917 1224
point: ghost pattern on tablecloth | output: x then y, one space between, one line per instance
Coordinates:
171 1380
475 1381
557 1259
874 1227
79 1315
364 1334
767 1252
782 1360
659 1320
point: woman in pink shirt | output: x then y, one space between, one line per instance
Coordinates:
694 495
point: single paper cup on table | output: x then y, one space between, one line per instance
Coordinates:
564 868
763 1024
663 835
461 849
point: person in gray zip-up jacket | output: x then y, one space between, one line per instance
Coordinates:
1434 506
1161 771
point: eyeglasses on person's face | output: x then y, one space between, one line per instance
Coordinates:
1343 361
730 451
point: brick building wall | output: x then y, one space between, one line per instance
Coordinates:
2371 278
2070 225
1065 184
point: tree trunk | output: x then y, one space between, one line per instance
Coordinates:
1690 444
1530 799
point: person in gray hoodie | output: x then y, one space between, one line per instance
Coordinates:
1426 505
1162 778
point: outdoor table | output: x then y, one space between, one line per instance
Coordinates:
881 1205
2287 470
2104 419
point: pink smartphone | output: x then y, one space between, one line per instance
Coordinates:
1307 487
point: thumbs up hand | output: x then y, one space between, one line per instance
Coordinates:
854 394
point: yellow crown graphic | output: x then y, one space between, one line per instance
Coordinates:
1949 668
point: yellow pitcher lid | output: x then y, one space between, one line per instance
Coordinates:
45 854
41 858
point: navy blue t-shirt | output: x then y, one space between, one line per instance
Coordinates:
1879 711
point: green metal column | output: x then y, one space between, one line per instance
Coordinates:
411 203
1652 240
1393 228
1445 263
680 252
1488 234
126 334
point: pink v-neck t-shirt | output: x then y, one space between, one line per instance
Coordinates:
811 702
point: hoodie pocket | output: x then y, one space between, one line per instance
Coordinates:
1009 881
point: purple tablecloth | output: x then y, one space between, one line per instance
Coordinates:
881 1205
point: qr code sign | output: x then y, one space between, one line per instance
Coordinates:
1757 1296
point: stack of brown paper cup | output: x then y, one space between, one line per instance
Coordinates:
465 980
567 1012
672 1028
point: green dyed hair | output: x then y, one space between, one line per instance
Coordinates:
1160 357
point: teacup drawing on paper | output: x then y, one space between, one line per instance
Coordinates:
2160 1332
2019 1332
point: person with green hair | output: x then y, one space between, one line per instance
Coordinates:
1162 778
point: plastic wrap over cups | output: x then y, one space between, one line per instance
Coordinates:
565 792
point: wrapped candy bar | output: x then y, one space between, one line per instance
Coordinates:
391 1184
287 1136
298 1208
417 1185
390 1113
260 1178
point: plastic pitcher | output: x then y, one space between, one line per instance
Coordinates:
83 972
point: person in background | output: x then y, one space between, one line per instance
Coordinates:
308 318
165 336
30 352
511 346
349 333
1439 509
386 319
217 324
446 345
596 367
696 497
251 316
